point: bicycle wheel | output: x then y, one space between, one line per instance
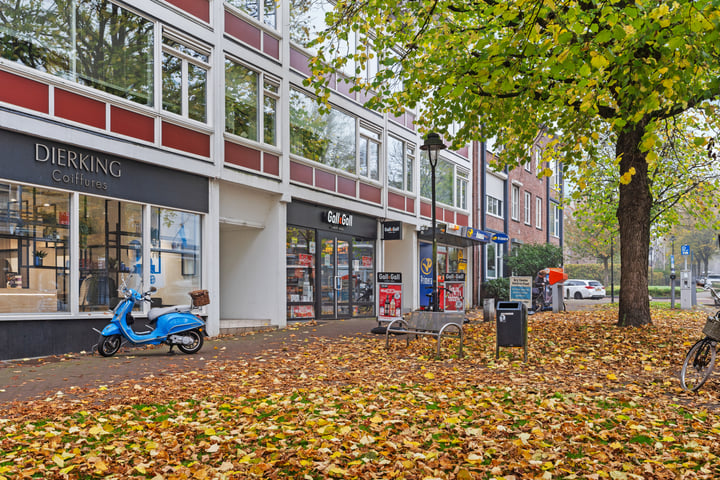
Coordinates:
698 365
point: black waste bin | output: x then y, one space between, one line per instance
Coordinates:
511 324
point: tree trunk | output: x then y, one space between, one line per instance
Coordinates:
634 219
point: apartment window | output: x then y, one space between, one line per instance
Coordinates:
327 138
444 179
400 164
494 206
528 200
515 199
461 186
556 179
369 153
264 11
98 44
555 220
242 107
184 80
538 212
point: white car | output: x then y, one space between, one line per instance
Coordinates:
713 279
579 289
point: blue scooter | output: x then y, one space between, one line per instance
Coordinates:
175 325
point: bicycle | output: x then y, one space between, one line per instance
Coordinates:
700 359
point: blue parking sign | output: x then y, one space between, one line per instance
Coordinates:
685 250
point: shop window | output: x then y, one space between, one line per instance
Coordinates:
98 44
242 103
184 79
363 267
175 252
34 255
327 138
264 11
493 261
110 250
300 261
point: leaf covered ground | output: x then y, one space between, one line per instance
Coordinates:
593 401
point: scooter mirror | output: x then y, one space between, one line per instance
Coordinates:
153 289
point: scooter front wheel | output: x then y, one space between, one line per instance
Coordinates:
108 346
195 346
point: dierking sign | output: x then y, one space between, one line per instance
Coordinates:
340 219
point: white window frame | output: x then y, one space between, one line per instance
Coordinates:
461 187
185 59
538 213
515 199
498 265
555 220
528 208
370 136
493 206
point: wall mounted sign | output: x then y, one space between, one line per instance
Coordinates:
389 277
337 219
476 234
500 238
392 230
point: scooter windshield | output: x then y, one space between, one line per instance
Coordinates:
133 281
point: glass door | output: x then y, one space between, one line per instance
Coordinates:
335 276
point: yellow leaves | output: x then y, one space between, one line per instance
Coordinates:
627 176
598 61
611 376
429 375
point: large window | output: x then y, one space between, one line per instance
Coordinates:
493 260
527 206
184 79
110 249
400 164
300 253
34 249
328 138
494 206
242 104
95 43
515 215
461 187
264 11
175 241
444 180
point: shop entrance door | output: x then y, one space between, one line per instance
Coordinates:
335 276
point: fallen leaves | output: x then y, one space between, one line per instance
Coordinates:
593 401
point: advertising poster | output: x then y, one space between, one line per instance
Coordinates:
426 273
454 292
521 290
389 296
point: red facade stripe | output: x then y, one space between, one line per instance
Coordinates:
199 8
346 186
299 61
410 205
132 124
242 30
301 173
271 164
271 45
184 139
24 92
370 193
461 219
242 156
79 109
324 180
396 201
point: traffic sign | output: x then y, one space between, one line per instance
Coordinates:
685 250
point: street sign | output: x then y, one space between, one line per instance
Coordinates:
685 250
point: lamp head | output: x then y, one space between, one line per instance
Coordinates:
432 145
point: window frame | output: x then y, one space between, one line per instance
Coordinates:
538 213
515 203
528 208
493 206
186 59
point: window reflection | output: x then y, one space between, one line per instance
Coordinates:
174 255
34 255
110 249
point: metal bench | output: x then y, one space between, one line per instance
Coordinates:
434 324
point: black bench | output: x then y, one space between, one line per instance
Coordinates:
434 324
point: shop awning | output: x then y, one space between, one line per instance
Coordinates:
464 237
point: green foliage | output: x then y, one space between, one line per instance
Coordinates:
498 288
592 271
528 259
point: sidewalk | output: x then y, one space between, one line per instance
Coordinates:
39 378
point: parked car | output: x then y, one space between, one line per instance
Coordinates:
579 289
713 279
700 281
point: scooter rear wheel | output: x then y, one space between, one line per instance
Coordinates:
108 346
195 346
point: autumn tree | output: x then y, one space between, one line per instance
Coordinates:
507 68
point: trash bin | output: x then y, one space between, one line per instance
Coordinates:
511 326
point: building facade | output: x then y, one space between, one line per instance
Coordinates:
515 207
175 141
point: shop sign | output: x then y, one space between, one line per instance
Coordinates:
475 234
426 274
455 277
338 219
392 230
500 238
389 277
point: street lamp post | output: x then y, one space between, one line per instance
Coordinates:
433 144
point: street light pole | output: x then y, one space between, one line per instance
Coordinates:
432 145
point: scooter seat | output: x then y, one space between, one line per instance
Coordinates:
154 313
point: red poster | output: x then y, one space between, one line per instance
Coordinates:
305 260
454 297
389 301
366 262
302 311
